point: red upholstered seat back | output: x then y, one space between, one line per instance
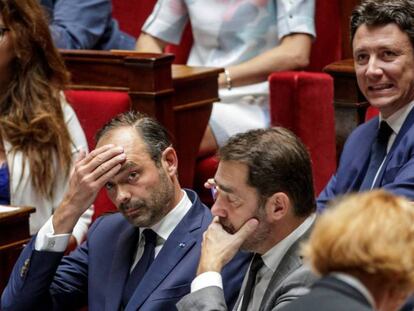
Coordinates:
131 15
306 108
94 109
371 112
327 46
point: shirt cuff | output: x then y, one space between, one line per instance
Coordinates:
207 279
46 240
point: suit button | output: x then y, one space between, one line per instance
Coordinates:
25 268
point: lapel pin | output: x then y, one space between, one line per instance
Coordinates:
182 245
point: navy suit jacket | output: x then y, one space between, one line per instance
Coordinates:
85 24
329 294
95 273
397 174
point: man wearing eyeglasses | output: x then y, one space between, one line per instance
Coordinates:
264 204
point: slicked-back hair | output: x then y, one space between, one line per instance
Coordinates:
277 161
383 12
153 134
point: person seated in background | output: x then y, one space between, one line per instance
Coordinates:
250 38
364 250
40 134
264 204
85 24
379 153
142 258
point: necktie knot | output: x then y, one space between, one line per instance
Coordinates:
384 132
257 263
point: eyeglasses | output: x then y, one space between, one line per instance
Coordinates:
216 191
3 30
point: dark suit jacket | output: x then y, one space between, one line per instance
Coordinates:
397 175
330 294
95 273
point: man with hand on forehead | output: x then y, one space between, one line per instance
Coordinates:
264 204
144 257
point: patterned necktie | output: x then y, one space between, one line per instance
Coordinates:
257 263
378 153
141 267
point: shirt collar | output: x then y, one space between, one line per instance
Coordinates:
273 256
396 120
356 284
164 227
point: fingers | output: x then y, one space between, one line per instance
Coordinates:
209 184
247 229
100 161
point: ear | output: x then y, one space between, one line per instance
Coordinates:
169 161
278 205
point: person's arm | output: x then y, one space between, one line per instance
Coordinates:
296 30
292 53
90 174
149 44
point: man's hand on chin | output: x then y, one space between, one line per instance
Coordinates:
219 246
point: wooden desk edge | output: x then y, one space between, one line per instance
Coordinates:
22 210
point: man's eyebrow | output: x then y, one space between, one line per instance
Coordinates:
127 165
224 188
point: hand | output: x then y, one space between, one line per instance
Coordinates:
219 246
89 175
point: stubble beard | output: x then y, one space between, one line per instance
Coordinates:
154 208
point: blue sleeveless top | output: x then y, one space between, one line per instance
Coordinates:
4 184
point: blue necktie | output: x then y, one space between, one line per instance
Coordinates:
378 153
141 267
257 263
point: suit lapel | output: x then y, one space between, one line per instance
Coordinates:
361 161
408 123
120 267
178 244
290 262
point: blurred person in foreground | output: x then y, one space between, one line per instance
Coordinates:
40 135
364 249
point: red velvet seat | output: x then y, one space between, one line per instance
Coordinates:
94 109
371 112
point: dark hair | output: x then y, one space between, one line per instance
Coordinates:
277 162
382 12
154 135
31 115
